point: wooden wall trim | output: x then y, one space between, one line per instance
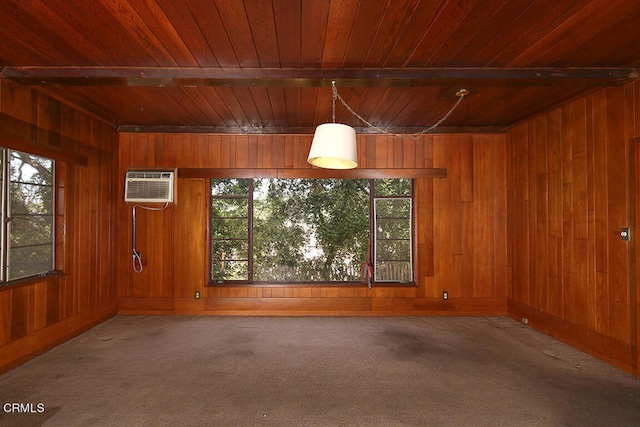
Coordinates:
315 306
360 173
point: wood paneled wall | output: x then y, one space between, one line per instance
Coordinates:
571 189
38 314
461 232
563 183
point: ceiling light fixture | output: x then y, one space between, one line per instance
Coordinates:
334 144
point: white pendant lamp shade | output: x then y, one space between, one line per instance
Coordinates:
334 147
334 144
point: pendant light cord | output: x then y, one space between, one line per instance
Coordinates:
460 94
333 101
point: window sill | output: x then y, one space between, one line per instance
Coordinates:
311 285
18 283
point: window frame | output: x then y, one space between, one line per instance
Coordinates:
249 260
5 228
412 237
359 283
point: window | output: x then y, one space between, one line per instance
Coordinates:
28 215
310 230
393 218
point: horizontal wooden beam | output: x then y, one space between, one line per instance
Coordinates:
311 173
267 130
314 77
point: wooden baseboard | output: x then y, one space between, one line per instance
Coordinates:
607 349
461 306
17 352
308 305
315 306
147 306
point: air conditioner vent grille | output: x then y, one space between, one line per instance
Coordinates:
149 174
149 186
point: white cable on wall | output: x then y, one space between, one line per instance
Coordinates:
136 256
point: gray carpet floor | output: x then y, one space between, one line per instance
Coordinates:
313 371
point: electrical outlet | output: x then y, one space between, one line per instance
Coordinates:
525 320
197 294
445 295
625 233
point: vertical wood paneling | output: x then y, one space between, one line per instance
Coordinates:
53 303
579 210
155 250
635 217
472 234
382 152
443 263
499 166
370 144
459 247
122 251
519 194
84 293
289 151
483 216
538 209
466 173
398 153
618 209
554 208
454 176
5 317
19 312
600 177
408 148
40 307
277 152
578 272
424 232
242 151
568 281
591 197
190 220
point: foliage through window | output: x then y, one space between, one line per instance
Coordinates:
28 215
310 230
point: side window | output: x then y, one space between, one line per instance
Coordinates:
28 214
393 261
230 225
393 230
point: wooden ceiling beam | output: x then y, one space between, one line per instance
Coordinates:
315 173
266 130
312 77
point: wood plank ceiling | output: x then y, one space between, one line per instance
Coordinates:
264 66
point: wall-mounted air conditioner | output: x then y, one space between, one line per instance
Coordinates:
150 186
